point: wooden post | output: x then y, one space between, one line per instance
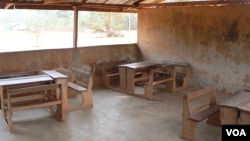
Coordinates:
75 33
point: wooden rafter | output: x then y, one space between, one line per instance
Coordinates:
8 5
138 2
61 1
128 1
193 3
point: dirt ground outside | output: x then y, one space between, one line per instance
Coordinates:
26 40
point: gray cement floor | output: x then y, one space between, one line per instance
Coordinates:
115 116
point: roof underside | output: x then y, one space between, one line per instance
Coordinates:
108 5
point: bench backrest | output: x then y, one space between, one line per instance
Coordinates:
182 68
199 100
112 66
82 78
160 74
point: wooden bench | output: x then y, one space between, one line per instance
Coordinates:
110 73
81 82
19 99
157 76
181 75
198 106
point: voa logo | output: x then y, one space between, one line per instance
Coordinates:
236 132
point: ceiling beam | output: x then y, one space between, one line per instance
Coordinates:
138 2
193 3
61 1
82 7
8 5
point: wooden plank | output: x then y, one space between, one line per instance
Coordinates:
27 98
32 89
111 75
76 87
81 72
160 81
75 32
35 105
54 74
140 65
245 107
141 78
192 3
199 93
24 80
199 116
236 100
177 63
17 74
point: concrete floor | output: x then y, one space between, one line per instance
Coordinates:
114 117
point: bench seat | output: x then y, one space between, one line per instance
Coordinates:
76 87
202 115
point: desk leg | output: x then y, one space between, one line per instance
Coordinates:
171 85
3 111
64 90
244 117
228 115
123 78
130 81
2 103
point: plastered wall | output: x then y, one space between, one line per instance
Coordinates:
62 59
215 40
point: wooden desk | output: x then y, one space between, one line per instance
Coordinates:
18 82
234 110
244 113
63 81
230 108
127 74
21 83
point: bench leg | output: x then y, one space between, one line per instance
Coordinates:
9 120
87 98
185 83
148 92
170 86
106 82
188 130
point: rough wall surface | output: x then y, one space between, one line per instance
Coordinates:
214 40
62 59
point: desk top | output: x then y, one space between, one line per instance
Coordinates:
138 65
237 100
54 74
24 80
245 107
